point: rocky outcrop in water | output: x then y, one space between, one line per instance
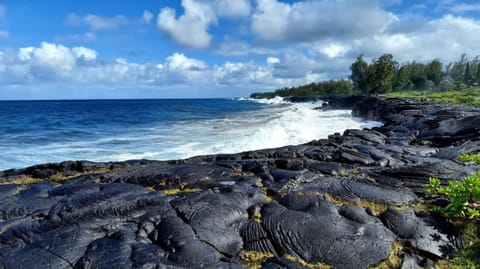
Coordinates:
350 201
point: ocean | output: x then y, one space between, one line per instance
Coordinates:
34 132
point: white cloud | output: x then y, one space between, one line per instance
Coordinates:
264 77
81 68
49 59
272 60
445 38
97 23
229 8
179 62
85 53
240 73
275 21
333 50
190 29
147 16
25 54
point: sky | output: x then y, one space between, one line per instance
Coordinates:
91 49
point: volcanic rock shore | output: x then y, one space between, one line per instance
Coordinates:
350 201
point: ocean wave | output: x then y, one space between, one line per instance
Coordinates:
271 101
274 124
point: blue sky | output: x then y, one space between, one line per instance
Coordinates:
214 48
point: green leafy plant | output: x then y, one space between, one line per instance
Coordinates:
470 158
464 196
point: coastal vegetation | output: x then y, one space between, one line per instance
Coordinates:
463 196
463 207
455 82
469 96
472 157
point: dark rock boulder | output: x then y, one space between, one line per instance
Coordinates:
322 235
422 230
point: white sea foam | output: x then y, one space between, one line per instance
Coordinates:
271 101
275 126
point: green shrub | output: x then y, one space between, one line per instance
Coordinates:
464 196
470 158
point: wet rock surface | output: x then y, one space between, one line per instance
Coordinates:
347 201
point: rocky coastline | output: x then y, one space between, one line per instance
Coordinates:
354 200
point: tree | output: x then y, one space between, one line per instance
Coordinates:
477 76
402 80
418 75
457 71
381 74
433 72
466 76
359 75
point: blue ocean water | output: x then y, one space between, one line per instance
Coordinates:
33 132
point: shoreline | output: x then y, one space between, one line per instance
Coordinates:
350 199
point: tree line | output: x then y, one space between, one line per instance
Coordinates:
384 74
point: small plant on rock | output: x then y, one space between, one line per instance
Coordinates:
464 196
470 158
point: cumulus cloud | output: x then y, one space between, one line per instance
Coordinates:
312 20
82 68
270 76
97 23
272 61
333 50
191 28
229 8
445 38
179 62
84 53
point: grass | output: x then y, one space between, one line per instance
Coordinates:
180 190
20 180
475 158
394 260
467 97
257 217
57 177
254 259
306 264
